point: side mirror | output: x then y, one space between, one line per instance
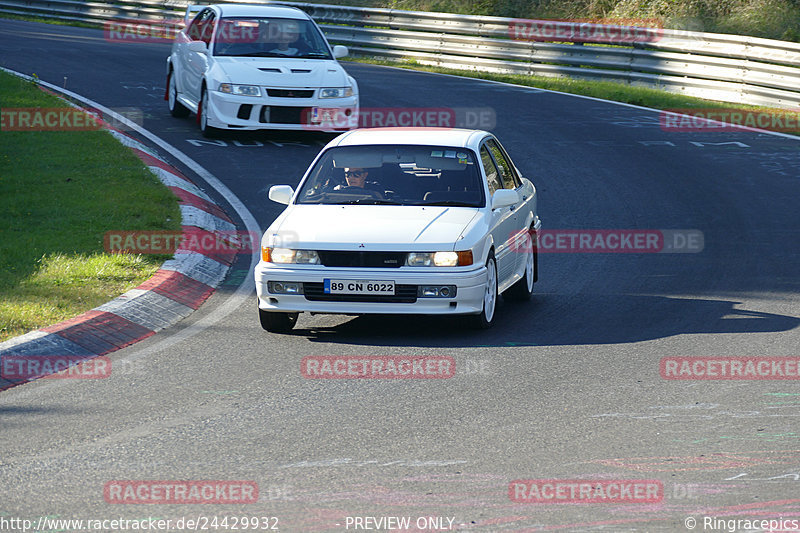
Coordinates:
504 198
281 194
197 46
340 51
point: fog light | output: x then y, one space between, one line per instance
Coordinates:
437 291
284 287
430 292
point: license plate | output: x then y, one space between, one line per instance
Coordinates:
349 286
321 114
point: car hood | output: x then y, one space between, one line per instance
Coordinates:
365 227
277 72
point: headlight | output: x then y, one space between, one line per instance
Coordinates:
287 255
241 90
439 259
336 92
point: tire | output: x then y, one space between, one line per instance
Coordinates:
277 322
485 319
522 290
176 109
202 117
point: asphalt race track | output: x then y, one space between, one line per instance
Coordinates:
565 387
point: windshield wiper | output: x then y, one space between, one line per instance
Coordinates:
369 201
314 55
448 203
258 54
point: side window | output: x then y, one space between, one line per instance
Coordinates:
507 174
491 171
202 27
208 29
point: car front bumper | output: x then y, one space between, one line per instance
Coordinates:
470 288
230 111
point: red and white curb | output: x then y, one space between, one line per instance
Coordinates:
174 292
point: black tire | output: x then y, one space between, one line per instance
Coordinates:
277 322
176 109
522 290
486 318
202 118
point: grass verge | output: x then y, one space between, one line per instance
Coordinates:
607 90
60 192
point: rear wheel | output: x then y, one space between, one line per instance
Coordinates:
485 319
275 322
176 109
523 289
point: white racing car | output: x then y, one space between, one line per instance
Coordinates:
251 67
417 221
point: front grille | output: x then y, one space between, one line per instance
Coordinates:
362 259
291 93
281 115
404 294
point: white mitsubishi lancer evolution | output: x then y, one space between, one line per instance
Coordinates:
412 221
251 67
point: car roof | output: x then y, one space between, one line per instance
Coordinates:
455 137
252 10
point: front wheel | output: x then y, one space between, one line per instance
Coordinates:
277 322
202 116
176 109
485 319
523 289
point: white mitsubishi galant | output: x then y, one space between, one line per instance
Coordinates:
406 220
250 67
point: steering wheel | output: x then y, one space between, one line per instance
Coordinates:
349 189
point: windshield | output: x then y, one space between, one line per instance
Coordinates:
269 37
394 175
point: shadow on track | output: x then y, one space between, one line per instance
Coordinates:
550 320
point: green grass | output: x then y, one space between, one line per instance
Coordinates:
47 20
772 19
60 192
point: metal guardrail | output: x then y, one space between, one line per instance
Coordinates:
721 67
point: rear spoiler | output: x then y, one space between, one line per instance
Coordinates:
191 11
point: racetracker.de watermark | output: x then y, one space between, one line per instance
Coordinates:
728 119
180 492
189 240
321 118
141 31
68 119
586 491
27 367
377 367
610 31
730 368
608 241
47 119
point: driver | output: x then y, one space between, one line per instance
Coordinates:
357 177
281 35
